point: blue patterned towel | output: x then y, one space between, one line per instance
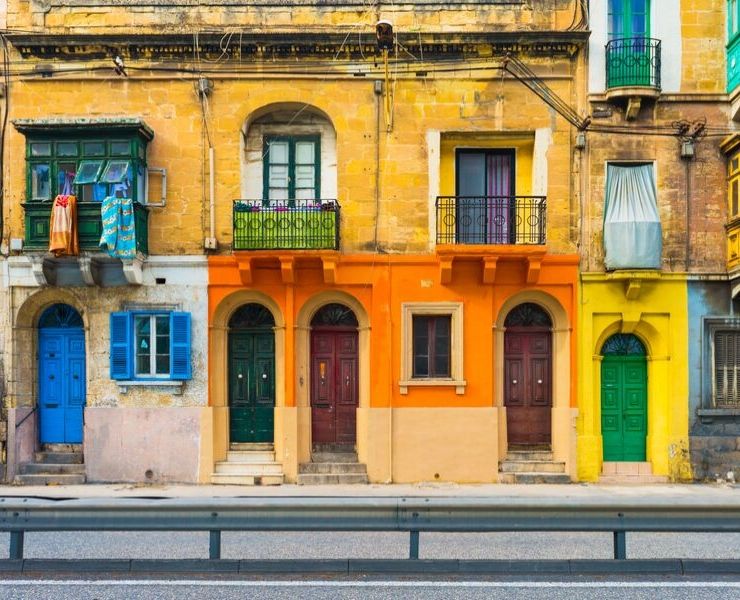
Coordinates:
119 230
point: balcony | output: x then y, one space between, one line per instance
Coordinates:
633 71
491 220
89 226
286 225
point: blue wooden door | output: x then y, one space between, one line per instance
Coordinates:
61 384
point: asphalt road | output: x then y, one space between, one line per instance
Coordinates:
367 590
265 545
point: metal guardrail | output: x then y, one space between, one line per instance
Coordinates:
491 219
407 514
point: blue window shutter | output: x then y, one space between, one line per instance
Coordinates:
180 345
121 352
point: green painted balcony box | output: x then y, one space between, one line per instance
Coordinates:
286 225
89 226
633 62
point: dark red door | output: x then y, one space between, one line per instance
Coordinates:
334 387
527 386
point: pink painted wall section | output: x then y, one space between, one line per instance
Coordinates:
122 444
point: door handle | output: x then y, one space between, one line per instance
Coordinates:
51 376
51 405
322 405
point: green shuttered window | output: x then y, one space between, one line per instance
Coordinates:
150 345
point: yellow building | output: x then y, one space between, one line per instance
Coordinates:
651 238
359 226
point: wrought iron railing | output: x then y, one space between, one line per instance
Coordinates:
286 224
491 219
633 62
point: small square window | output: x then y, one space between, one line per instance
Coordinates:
93 149
431 346
41 149
88 172
727 369
120 149
67 149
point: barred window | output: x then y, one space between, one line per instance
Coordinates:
727 369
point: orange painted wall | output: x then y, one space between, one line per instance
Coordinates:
381 283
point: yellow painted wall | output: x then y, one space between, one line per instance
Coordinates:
659 317
523 145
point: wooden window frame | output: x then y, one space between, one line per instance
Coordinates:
733 178
715 331
291 139
152 374
454 310
432 325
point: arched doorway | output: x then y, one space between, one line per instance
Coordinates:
624 398
334 376
62 380
251 358
528 375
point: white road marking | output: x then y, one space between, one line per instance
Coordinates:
370 584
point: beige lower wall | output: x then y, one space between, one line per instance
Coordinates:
286 441
445 444
373 442
122 444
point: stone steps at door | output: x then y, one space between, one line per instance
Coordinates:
335 468
249 469
250 457
226 479
59 457
52 469
252 446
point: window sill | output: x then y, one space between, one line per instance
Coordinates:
458 384
718 412
173 387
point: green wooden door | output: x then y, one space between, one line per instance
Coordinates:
631 61
251 385
624 403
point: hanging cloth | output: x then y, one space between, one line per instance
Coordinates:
63 226
633 238
119 229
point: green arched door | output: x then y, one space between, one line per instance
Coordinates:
251 375
624 398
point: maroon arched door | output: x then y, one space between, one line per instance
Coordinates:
334 376
528 376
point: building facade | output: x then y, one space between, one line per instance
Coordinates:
652 234
362 240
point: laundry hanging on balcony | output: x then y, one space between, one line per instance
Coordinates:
63 225
632 232
119 228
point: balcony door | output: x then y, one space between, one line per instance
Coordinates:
629 33
485 193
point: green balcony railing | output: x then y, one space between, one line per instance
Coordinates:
633 62
286 224
89 226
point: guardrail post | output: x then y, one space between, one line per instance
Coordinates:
620 545
414 545
16 545
214 544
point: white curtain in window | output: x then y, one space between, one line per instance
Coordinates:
632 233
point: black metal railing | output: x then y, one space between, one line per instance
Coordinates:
491 219
633 62
286 224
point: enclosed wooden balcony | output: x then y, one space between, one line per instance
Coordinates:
89 226
286 225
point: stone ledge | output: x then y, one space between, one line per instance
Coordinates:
174 387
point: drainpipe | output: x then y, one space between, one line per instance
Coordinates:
212 193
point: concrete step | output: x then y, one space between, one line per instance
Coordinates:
531 466
259 456
58 479
51 469
59 457
632 479
252 446
250 469
334 457
534 478
222 479
627 468
326 479
333 468
541 455
62 448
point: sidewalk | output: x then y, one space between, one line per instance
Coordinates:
583 492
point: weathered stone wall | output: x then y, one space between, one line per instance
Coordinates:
703 32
